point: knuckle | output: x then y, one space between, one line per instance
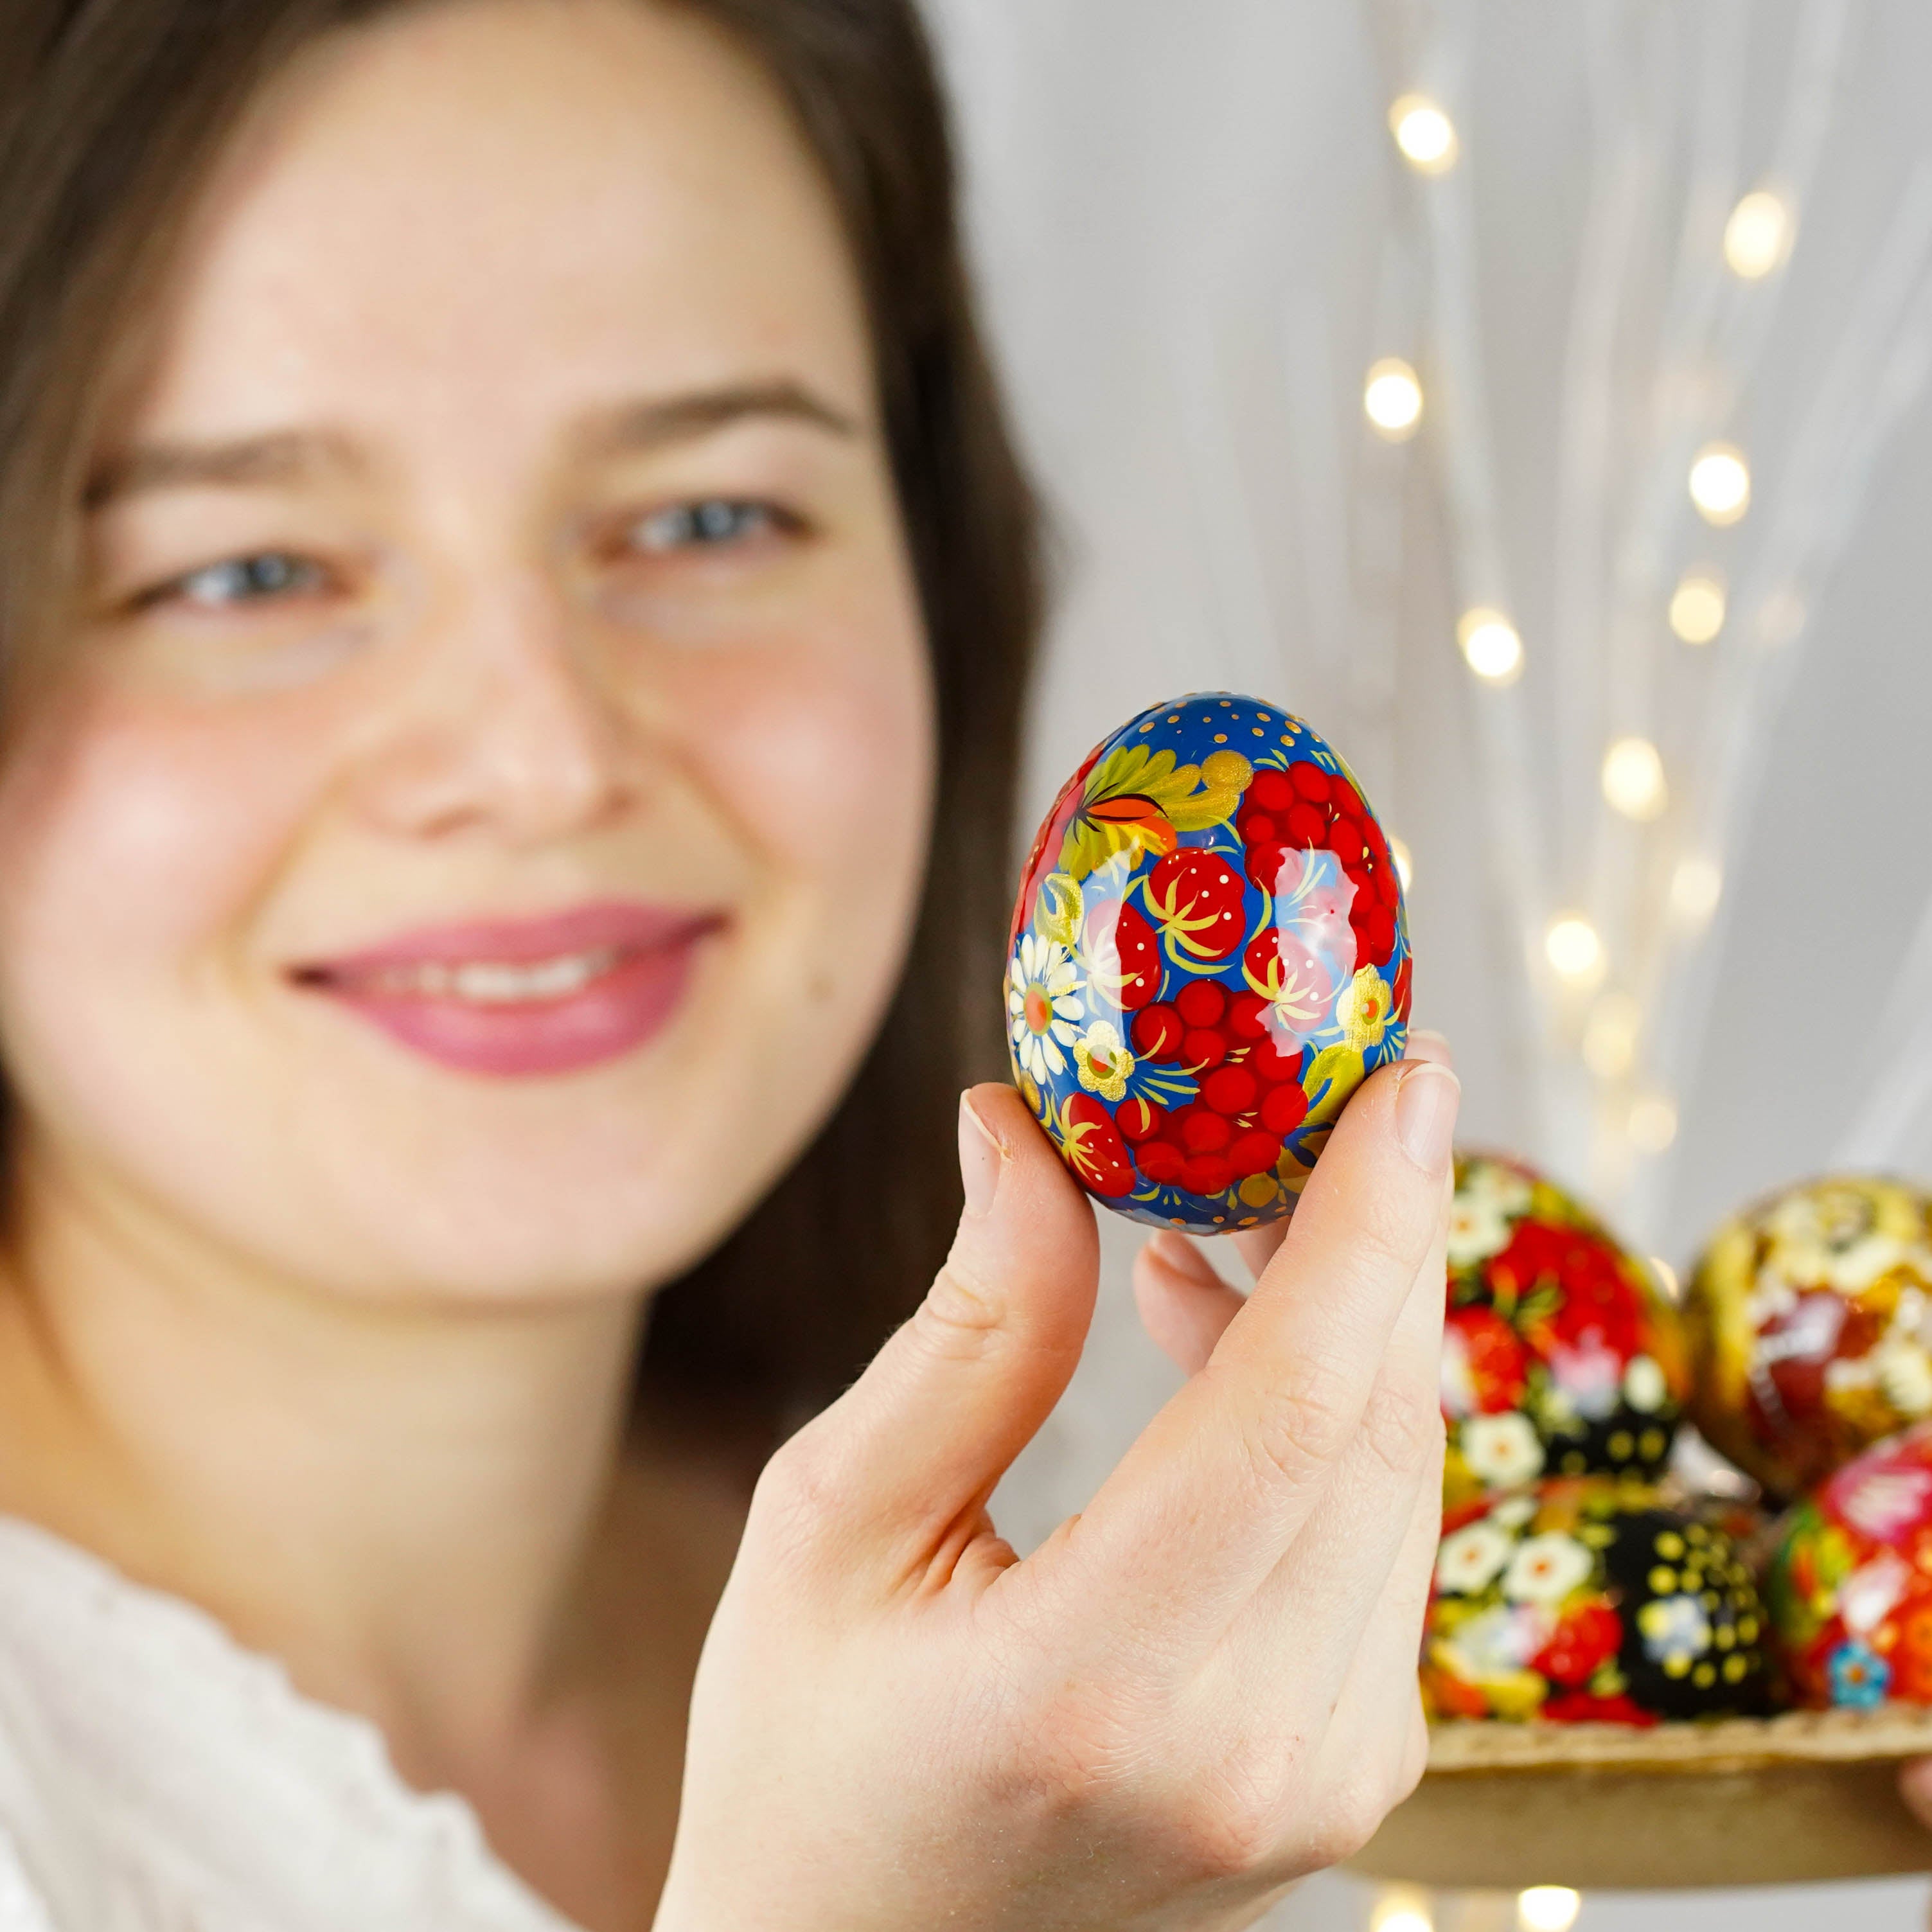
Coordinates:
1110 1771
960 1319
1390 1239
1232 1824
795 1495
1299 1428
1402 1426
1073 1761
1354 1812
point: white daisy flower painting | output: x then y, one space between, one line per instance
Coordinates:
1043 1006
1546 1568
1488 1198
1501 1451
1471 1557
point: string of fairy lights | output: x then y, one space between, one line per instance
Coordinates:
1756 240
1621 983
1633 782
1617 929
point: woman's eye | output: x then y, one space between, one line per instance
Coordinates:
264 577
711 524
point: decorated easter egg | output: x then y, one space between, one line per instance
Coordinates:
1560 1355
1588 1599
1850 1584
1810 1325
1209 955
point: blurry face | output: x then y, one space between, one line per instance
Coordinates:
472 843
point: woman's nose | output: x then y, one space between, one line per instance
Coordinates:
504 727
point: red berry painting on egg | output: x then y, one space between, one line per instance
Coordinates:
1209 955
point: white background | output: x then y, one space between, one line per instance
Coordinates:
1194 235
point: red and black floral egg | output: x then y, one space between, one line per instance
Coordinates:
1209 955
1589 1599
1849 1585
1560 1355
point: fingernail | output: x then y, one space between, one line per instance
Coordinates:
1424 1044
1425 1113
981 1158
1178 1252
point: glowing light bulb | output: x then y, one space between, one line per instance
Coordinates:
1633 777
1404 864
1401 1908
1490 644
1720 483
1697 607
1697 884
1667 1278
1609 1040
1574 949
1404 1918
1424 133
1758 234
1548 1908
1653 1123
1392 399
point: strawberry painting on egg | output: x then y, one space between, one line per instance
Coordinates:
1208 955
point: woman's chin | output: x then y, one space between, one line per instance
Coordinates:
537 1229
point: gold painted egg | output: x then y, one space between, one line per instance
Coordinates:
1810 1317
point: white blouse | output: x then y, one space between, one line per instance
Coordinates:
155 1777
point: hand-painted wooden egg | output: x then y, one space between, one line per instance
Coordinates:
1810 1326
1209 955
1850 1586
1587 1599
1560 1355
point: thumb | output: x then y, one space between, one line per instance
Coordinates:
922 1436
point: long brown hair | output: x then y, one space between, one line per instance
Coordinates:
112 112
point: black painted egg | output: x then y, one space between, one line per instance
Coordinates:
1589 1599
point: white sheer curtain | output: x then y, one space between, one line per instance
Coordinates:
1196 235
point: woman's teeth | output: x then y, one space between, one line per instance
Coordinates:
497 982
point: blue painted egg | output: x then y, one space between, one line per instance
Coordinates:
1208 955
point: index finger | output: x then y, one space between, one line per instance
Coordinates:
1257 1246
1211 1496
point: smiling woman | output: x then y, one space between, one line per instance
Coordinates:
680 486
516 592
509 544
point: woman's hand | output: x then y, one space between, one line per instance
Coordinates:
1915 1786
1196 1692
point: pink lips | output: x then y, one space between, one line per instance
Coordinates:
524 996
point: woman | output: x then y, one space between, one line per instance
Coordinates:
510 555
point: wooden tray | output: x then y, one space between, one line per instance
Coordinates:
1778 1800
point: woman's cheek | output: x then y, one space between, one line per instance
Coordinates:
823 748
136 840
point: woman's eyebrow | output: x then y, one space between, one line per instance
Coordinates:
633 427
282 457
278 457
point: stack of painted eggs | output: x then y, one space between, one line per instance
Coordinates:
1811 1317
1568 1587
1804 1352
1209 954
